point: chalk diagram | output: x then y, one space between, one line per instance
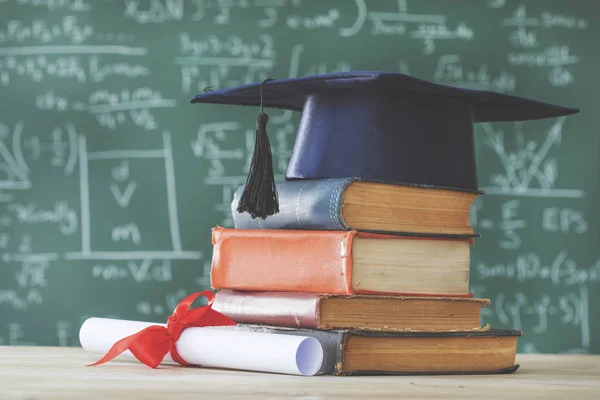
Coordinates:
122 198
529 169
14 175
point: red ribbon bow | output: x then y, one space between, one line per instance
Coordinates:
151 345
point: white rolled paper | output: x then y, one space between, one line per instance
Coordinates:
218 347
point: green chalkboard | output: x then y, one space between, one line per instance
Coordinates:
110 181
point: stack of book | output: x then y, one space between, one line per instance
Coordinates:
377 272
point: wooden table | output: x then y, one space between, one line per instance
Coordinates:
59 373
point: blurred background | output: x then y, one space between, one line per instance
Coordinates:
110 181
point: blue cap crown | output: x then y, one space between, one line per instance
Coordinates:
385 126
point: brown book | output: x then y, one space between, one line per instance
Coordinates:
362 312
385 207
409 353
352 204
339 262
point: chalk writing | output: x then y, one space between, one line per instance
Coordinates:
64 333
552 56
13 168
214 61
325 20
21 301
530 163
111 109
148 308
55 5
571 309
15 335
547 19
142 271
564 220
68 29
562 270
62 215
110 180
450 69
79 69
155 11
425 27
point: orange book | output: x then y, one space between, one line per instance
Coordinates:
339 262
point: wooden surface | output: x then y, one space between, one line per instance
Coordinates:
59 373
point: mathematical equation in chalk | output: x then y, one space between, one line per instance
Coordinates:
68 29
40 68
531 52
526 267
213 62
142 271
31 278
545 312
53 5
154 310
512 222
111 108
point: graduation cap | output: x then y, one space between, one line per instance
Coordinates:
377 126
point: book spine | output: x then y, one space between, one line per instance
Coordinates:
282 260
304 204
295 310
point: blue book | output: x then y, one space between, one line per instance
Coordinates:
355 204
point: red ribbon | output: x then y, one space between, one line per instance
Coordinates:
151 345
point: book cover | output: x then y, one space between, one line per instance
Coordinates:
353 204
410 353
338 262
364 312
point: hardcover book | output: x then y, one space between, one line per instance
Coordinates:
339 262
353 204
348 352
361 312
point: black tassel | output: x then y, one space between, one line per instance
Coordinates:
259 198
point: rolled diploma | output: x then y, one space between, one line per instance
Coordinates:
218 347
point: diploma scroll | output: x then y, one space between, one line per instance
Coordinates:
220 347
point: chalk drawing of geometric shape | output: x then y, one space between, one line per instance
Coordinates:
529 170
165 157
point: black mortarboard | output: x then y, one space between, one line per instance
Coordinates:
381 126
